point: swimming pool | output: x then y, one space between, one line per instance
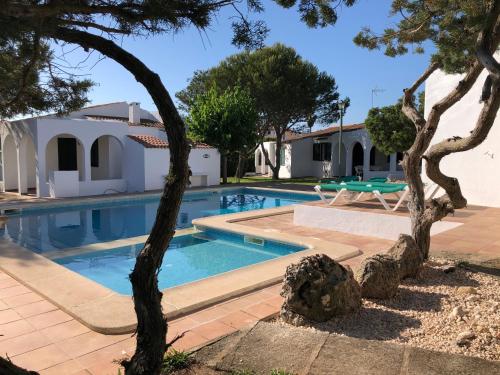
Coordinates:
189 258
60 227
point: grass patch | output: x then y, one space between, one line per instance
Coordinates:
280 372
175 360
242 372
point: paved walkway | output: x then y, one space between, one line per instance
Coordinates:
39 336
268 346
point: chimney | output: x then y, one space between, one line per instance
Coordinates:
134 113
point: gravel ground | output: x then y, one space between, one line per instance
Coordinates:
456 312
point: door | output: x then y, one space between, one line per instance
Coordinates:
66 154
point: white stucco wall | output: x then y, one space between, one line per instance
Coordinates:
300 163
124 165
206 161
476 169
133 165
156 164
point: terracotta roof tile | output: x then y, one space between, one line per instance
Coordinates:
326 132
149 141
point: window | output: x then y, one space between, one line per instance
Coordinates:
259 159
282 157
322 151
66 151
94 154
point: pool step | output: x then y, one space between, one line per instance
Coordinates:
254 240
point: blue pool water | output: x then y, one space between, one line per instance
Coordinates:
57 228
189 258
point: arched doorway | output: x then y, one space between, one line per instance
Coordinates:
378 160
9 155
106 156
64 152
28 165
358 157
399 159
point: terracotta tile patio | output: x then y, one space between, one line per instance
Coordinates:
37 335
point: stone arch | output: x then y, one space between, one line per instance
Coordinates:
65 152
358 156
378 160
106 158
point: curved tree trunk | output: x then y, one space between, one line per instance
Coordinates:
151 323
424 214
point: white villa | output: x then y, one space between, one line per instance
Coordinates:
109 148
317 154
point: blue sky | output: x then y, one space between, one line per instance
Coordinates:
357 71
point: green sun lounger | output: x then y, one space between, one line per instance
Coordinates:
377 179
337 180
378 189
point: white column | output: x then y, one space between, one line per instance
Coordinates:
366 161
86 164
348 160
42 187
22 177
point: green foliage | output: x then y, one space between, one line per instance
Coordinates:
390 130
452 26
30 82
280 372
175 360
226 121
287 90
317 12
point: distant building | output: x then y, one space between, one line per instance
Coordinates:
109 148
317 154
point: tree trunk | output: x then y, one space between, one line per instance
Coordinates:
224 168
239 170
424 214
266 157
151 323
276 169
416 201
8 368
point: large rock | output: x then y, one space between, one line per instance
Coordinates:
407 255
378 277
316 289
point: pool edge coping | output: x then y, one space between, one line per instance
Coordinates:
108 312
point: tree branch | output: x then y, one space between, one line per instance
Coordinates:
408 105
454 198
488 40
86 24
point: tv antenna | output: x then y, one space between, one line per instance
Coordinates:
376 91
